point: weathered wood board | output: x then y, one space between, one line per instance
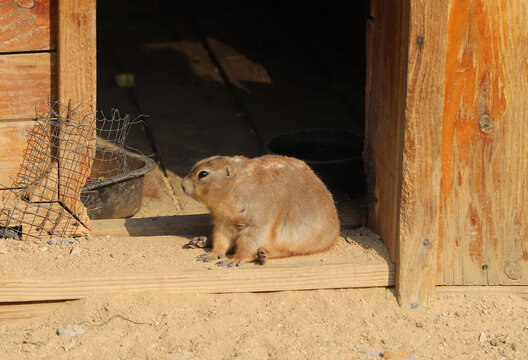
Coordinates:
77 85
77 49
13 135
384 118
447 162
420 168
267 278
484 185
28 25
28 83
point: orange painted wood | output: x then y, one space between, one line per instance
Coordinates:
27 84
484 185
13 136
27 25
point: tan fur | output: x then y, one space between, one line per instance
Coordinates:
273 203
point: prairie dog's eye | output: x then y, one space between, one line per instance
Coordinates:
202 174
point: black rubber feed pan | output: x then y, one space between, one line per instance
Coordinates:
118 196
334 155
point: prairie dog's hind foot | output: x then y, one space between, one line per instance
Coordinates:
229 263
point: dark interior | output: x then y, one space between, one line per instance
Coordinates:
228 77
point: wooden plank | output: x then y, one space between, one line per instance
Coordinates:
13 137
521 291
77 75
28 25
13 312
420 180
249 279
27 85
154 226
77 84
484 187
385 84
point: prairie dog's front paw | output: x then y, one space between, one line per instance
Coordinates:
199 242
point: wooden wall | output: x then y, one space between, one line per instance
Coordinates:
484 187
27 78
446 141
47 52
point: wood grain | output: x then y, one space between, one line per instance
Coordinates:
420 171
28 83
77 54
28 25
262 279
521 291
385 83
13 137
484 186
14 312
154 226
77 84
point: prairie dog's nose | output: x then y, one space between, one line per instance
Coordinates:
186 186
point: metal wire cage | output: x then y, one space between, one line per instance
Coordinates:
66 150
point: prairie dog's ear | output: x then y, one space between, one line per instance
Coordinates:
228 172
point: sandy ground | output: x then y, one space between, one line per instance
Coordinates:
330 324
320 324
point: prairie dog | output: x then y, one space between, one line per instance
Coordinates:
270 206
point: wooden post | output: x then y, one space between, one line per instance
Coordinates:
406 52
447 159
420 169
77 49
77 83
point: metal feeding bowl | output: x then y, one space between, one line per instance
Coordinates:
118 195
334 155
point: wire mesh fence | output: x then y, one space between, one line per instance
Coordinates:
66 151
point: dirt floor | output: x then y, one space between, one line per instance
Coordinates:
220 78
319 324
323 324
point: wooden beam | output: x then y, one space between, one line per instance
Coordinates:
76 50
385 84
154 226
420 167
246 279
77 83
28 25
12 312
521 291
28 83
